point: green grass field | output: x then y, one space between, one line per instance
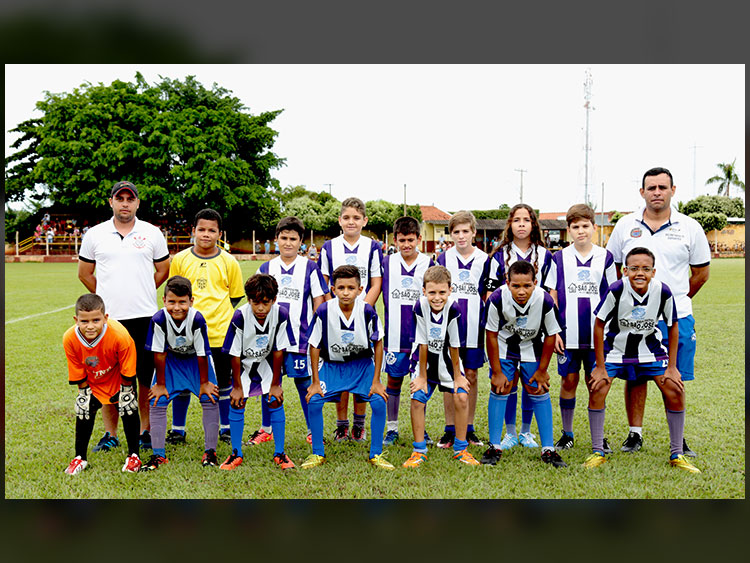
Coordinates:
39 425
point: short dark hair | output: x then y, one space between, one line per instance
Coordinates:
521 268
345 272
578 212
406 226
655 172
180 286
209 215
291 223
354 203
436 274
640 250
89 302
261 287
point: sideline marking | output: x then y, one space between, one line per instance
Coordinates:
39 314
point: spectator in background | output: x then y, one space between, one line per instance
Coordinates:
312 253
268 247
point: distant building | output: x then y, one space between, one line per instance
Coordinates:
434 225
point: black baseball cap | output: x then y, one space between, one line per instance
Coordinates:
124 185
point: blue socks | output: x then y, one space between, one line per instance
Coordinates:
278 424
315 412
237 427
377 425
527 411
510 412
496 413
543 410
420 447
302 383
459 445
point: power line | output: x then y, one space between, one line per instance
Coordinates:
521 171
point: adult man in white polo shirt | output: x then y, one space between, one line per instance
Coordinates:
682 262
131 260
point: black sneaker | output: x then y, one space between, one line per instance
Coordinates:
358 433
427 440
209 459
153 463
553 458
565 442
632 443
491 456
606 447
686 450
176 437
446 441
225 436
145 440
473 439
341 434
107 443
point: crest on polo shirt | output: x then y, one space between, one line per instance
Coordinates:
636 232
139 241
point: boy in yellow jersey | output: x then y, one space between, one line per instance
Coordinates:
218 288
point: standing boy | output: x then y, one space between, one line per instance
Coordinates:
466 264
257 336
402 280
353 249
579 277
346 333
302 289
216 281
522 322
101 362
178 338
633 350
436 345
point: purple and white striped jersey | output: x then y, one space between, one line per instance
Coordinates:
467 287
581 283
521 330
188 338
367 255
253 342
631 334
402 288
498 268
340 339
299 284
440 332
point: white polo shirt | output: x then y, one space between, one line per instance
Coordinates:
125 267
677 245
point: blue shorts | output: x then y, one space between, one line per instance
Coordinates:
570 361
527 370
396 364
472 358
685 346
423 397
182 374
636 372
355 377
296 364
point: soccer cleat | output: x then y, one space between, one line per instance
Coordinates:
553 458
509 441
381 462
606 447
465 457
154 462
76 466
313 460
527 440
415 459
283 461
232 462
358 433
491 456
427 440
176 437
446 441
341 434
390 438
132 464
145 440
594 460
632 443
258 437
106 443
209 459
225 436
565 442
309 437
473 439
686 450
683 463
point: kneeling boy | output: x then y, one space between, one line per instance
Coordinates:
101 361
178 337
436 344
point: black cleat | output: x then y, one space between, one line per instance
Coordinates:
446 441
553 458
686 450
606 447
564 443
491 456
632 443
473 439
175 437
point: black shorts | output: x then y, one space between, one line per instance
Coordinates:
223 367
138 329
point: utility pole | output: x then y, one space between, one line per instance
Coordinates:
601 226
521 171
587 96
329 188
404 200
694 159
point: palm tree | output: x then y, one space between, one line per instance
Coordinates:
728 177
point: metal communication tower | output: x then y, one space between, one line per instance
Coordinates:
587 96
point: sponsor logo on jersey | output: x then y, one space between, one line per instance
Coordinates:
410 295
584 275
407 282
584 288
92 361
347 337
180 341
351 260
139 241
202 283
286 280
639 312
261 341
637 320
289 294
636 232
435 332
521 321
464 275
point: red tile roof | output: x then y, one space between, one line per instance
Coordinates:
432 213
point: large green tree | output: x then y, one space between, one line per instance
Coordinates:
730 207
727 178
184 146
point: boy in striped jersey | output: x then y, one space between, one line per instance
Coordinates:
632 349
402 288
579 277
354 249
522 322
302 289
